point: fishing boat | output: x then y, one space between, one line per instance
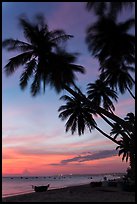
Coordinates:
40 188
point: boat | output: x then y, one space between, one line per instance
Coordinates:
40 188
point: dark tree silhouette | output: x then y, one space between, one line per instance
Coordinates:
130 118
100 93
108 39
118 76
41 56
127 144
80 117
111 43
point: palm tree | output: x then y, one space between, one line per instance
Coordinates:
106 38
118 76
130 118
124 149
41 56
127 144
110 9
45 62
99 92
111 43
127 150
79 117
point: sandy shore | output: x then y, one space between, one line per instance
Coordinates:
83 193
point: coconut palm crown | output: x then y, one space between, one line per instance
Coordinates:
107 38
100 93
78 114
42 58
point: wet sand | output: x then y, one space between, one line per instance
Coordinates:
83 193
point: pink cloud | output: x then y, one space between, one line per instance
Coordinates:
41 164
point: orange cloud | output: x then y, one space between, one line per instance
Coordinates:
15 162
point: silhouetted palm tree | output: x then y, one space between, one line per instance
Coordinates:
79 117
130 118
100 93
127 150
124 149
110 9
127 144
117 75
111 43
41 56
106 38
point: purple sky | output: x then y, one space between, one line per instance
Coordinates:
31 128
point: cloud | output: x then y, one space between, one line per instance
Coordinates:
88 157
74 164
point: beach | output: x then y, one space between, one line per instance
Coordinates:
81 193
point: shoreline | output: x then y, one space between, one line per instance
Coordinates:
32 191
79 193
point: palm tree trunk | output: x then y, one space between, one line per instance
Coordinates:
132 164
103 133
112 125
131 93
99 109
115 118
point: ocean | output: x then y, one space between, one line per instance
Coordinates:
20 185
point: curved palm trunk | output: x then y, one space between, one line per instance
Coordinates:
130 93
112 125
116 119
103 133
100 110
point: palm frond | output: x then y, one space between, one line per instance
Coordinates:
30 67
35 86
67 98
81 125
30 30
11 45
15 62
70 122
127 25
58 36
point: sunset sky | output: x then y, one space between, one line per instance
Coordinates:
34 141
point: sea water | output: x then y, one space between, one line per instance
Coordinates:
20 185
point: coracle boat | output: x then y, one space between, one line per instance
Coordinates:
40 188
